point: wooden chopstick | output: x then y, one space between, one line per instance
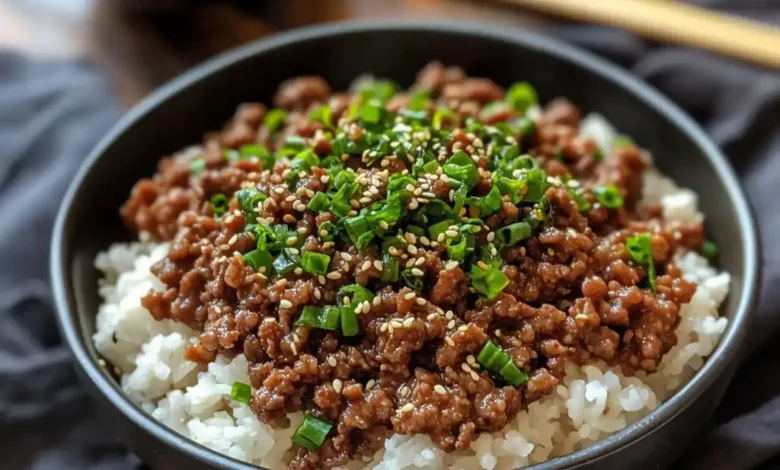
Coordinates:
673 22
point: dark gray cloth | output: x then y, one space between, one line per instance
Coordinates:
52 113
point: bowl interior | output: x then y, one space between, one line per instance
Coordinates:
205 98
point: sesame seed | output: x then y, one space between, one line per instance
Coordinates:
317 294
550 251
408 322
378 264
451 324
224 247
463 328
449 341
334 276
451 265
407 407
354 203
420 261
233 239
301 230
470 359
321 279
298 271
390 328
377 300
294 349
410 238
465 367
474 376
300 208
279 190
491 236
440 238
337 385
439 389
411 249
285 303
347 257
410 263
482 265
290 198
292 241
417 272
346 301
365 266
425 241
449 315
365 200
323 233
370 384
420 301
451 233
393 251
384 225
410 296
383 328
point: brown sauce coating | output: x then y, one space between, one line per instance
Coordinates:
574 293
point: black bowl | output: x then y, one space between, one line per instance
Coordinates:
204 98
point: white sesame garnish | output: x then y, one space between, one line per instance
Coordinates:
451 265
347 257
440 389
451 324
417 272
332 361
337 385
366 265
449 341
420 301
407 407
286 303
411 249
334 276
408 322
420 261
410 295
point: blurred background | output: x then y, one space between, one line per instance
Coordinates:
142 43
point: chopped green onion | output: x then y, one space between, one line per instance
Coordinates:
489 282
328 318
527 126
440 115
414 282
274 119
710 251
418 99
462 168
315 263
598 155
318 203
286 262
249 199
219 204
439 228
371 112
312 432
500 363
230 154
521 96
356 294
390 267
241 392
259 260
322 115
640 248
514 233
355 227
260 152
622 141
609 196
197 166
381 90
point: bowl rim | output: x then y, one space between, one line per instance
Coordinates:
726 350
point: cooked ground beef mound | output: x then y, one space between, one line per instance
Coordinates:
573 291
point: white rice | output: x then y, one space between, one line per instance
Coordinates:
591 402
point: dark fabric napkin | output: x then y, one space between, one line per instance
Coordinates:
53 112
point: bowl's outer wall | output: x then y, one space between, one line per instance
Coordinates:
206 103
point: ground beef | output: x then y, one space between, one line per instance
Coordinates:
573 291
